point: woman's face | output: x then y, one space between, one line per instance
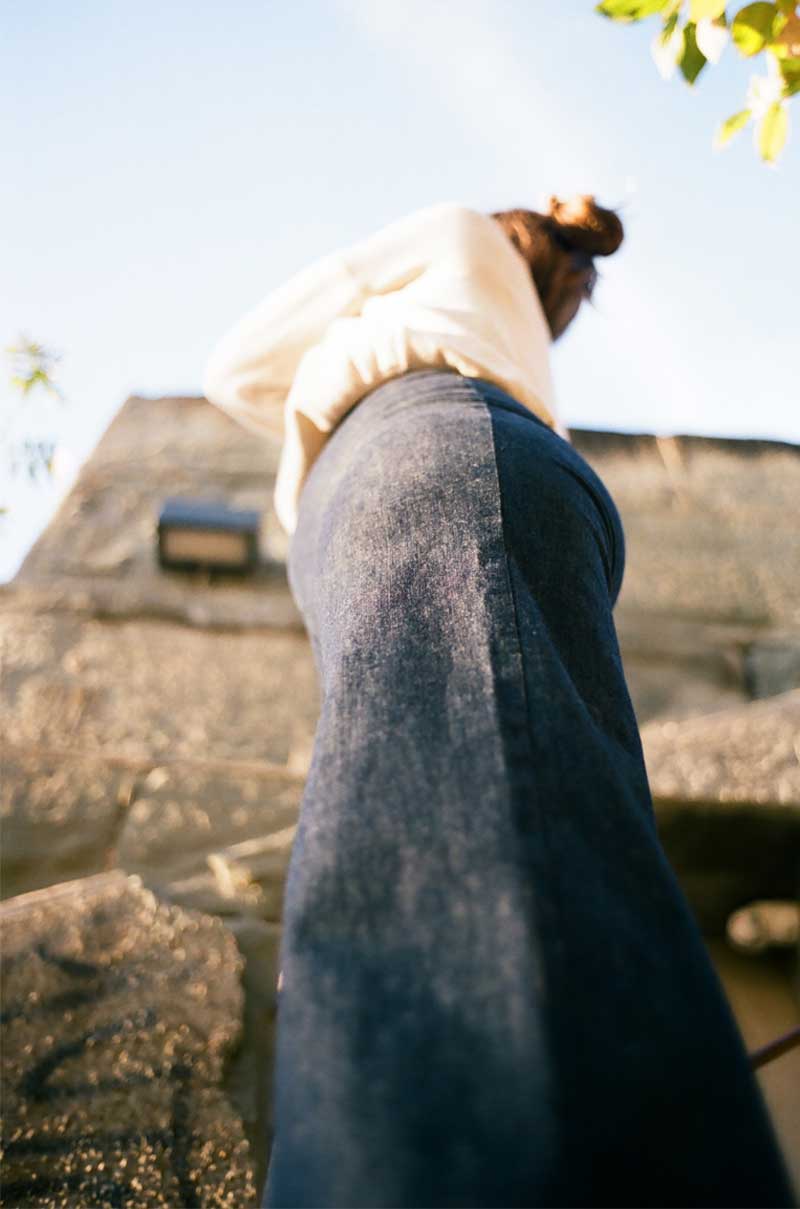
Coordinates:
572 285
563 315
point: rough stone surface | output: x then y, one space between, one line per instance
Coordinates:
60 819
97 556
213 842
708 522
710 525
677 667
148 689
746 754
119 1015
727 795
772 666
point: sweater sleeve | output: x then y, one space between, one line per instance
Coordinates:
250 372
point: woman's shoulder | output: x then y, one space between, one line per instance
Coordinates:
442 224
446 232
470 239
455 222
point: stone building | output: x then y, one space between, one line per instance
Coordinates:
157 728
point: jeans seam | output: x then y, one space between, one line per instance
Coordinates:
551 898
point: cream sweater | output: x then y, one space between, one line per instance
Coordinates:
442 288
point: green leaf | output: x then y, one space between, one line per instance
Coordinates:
731 126
753 27
703 10
630 10
692 61
790 70
772 132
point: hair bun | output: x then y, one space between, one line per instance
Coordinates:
584 225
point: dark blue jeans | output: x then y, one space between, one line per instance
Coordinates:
493 991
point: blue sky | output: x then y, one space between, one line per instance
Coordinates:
171 162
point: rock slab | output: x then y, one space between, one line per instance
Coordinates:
119 1015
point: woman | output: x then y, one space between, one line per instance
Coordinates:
493 993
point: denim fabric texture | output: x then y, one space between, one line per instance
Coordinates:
493 993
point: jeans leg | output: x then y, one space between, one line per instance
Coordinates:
493 993
656 1102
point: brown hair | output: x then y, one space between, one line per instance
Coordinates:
560 247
